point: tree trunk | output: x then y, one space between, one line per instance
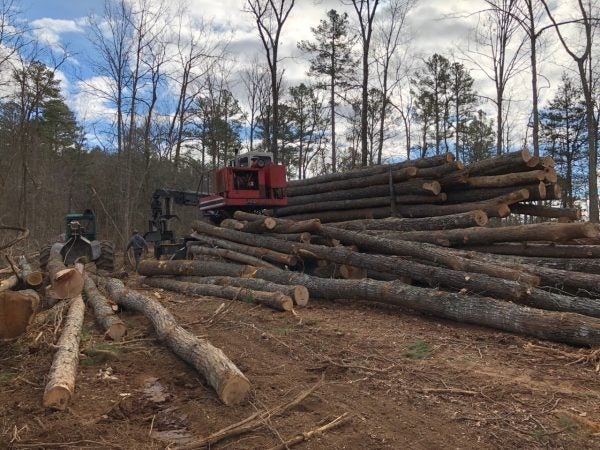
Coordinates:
510 179
537 191
352 183
258 252
439 171
362 172
547 211
299 294
587 265
504 162
411 187
226 379
553 232
103 311
275 300
66 283
278 226
9 283
198 250
31 278
462 220
541 250
17 310
61 383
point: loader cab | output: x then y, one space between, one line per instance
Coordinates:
82 224
245 160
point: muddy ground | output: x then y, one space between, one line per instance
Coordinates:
409 381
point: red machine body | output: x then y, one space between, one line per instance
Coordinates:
250 182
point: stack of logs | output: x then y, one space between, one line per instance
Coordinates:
430 187
454 270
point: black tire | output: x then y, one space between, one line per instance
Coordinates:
44 257
106 261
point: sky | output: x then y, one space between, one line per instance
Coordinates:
443 26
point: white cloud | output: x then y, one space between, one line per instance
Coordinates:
49 30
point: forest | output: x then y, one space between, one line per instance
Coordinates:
177 101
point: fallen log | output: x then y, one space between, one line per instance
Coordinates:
66 282
461 220
152 268
552 231
547 211
537 191
31 278
276 225
374 170
104 313
9 283
439 171
275 300
587 265
541 250
258 252
17 310
504 163
198 250
299 294
396 176
509 179
61 382
408 188
225 378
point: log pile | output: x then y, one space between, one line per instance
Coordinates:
430 187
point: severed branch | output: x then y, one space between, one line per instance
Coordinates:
305 436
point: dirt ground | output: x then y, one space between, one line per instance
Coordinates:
409 381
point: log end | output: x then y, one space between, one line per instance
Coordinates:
411 171
525 155
433 186
480 217
550 175
57 397
68 283
301 295
116 332
590 230
542 190
34 279
449 157
502 210
234 389
287 304
548 162
533 162
16 313
269 223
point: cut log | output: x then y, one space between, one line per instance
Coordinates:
17 310
275 300
225 378
61 382
503 162
232 224
257 252
439 171
559 327
547 211
199 251
293 237
412 187
152 268
587 265
105 315
396 175
541 250
507 180
461 220
9 283
31 278
299 294
278 226
66 282
537 191
373 170
553 232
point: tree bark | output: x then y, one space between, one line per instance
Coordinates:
275 300
151 268
352 183
541 250
225 378
439 171
61 383
257 252
299 294
509 179
537 191
198 250
504 162
279 226
547 211
17 310
31 278
553 232
587 265
9 283
374 170
105 315
411 187
462 220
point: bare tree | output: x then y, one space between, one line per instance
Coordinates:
584 67
12 35
389 37
499 54
256 83
365 13
270 16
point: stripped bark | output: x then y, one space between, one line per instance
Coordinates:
225 378
105 315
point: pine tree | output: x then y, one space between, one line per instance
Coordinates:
463 101
332 62
479 139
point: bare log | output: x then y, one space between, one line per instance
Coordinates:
461 220
225 378
547 211
275 300
17 310
504 163
9 283
105 315
31 278
258 252
541 250
61 383
439 171
198 250
278 226
587 265
66 282
537 191
299 294
152 268
509 179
